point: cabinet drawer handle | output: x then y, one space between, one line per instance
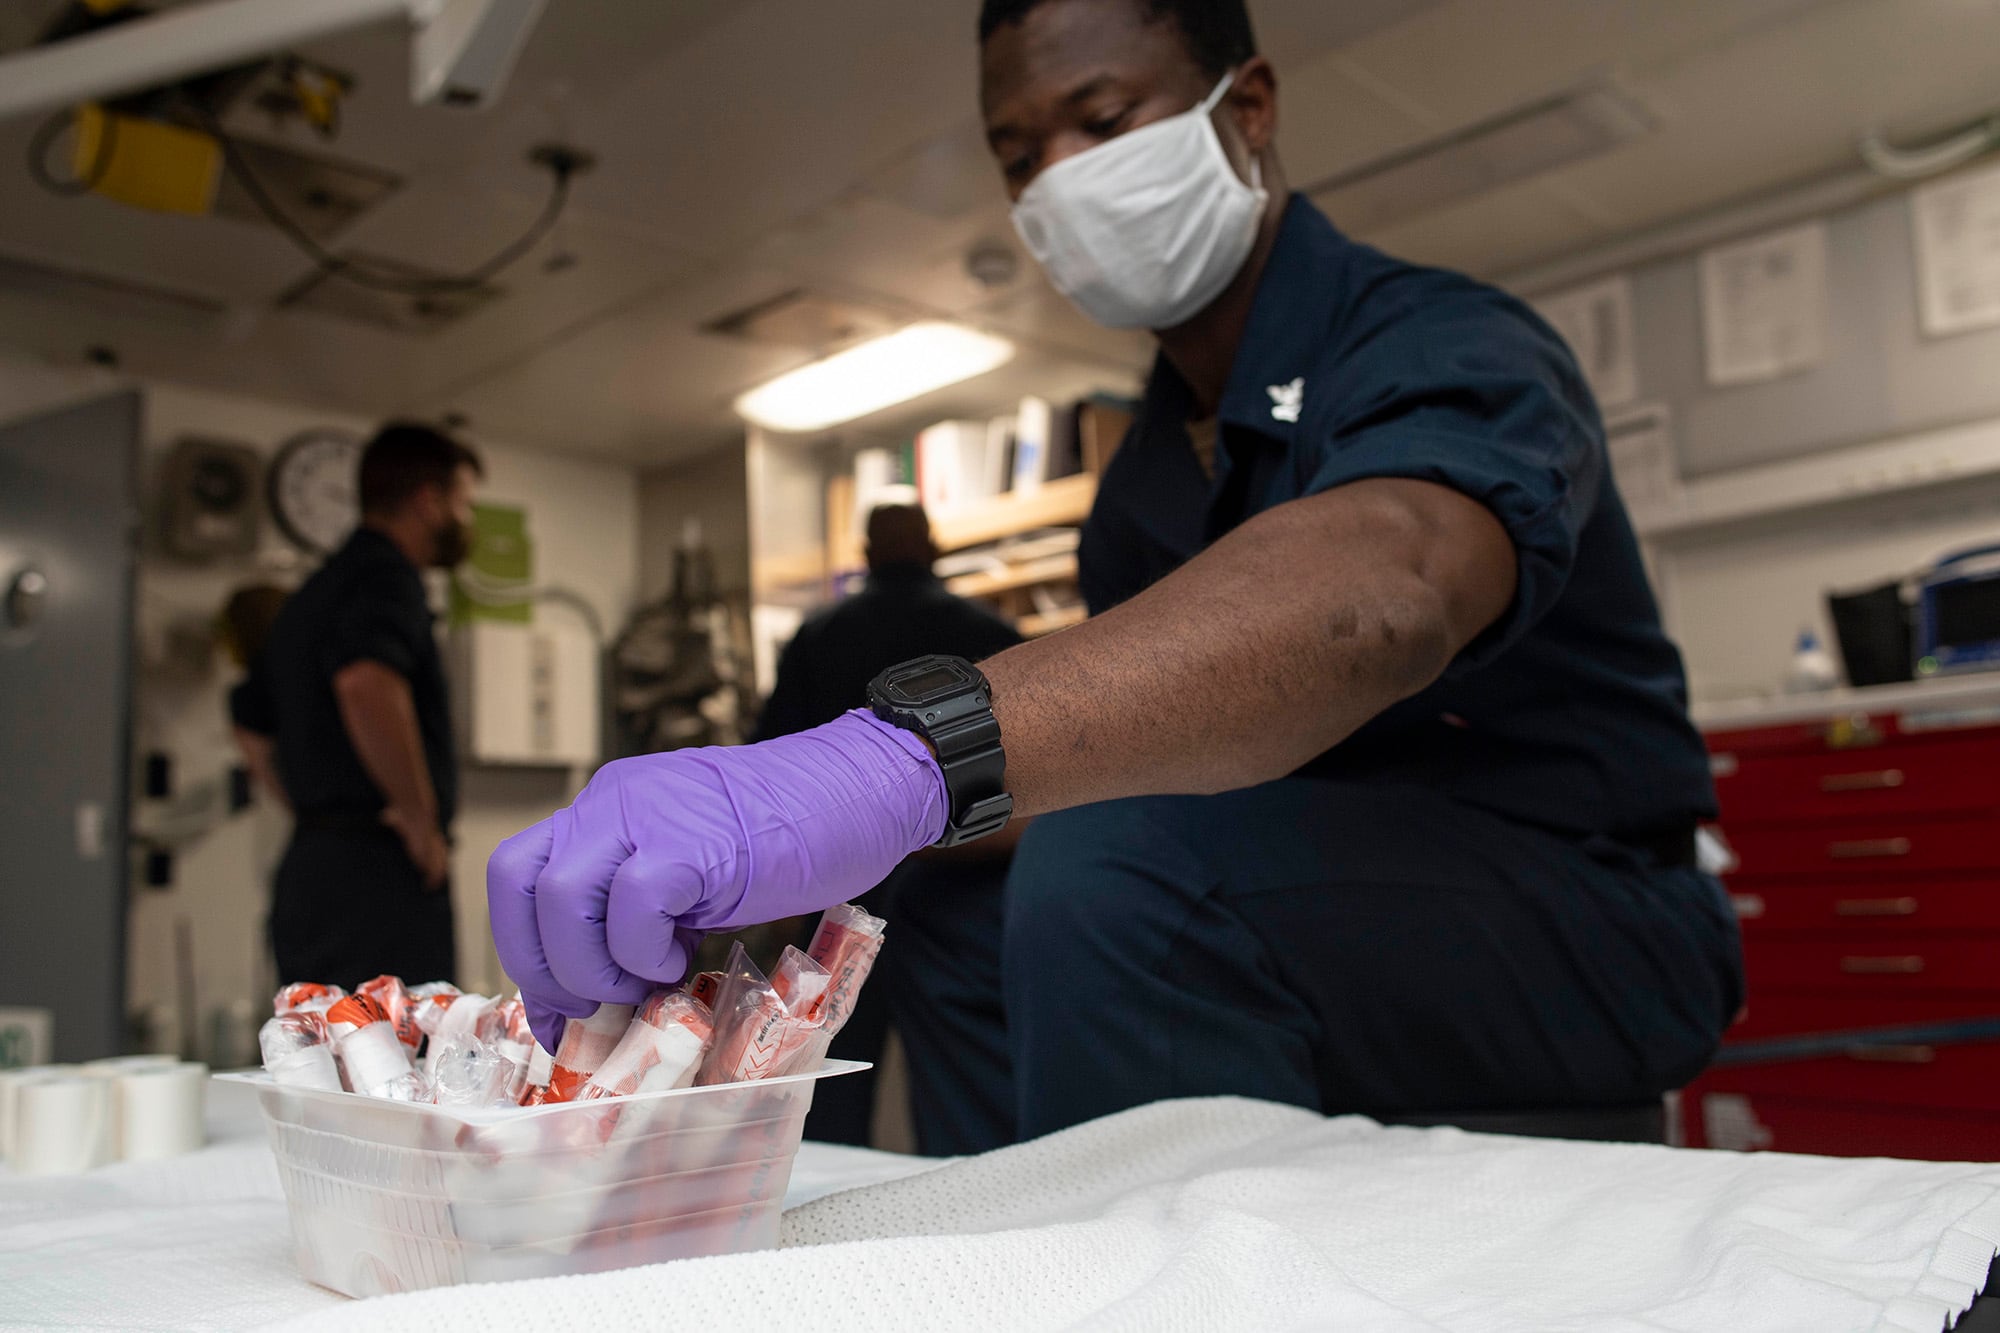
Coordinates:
1875 907
1894 965
1868 847
1885 779
1893 1055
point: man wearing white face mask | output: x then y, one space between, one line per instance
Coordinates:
1368 787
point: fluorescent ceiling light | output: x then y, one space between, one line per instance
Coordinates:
873 375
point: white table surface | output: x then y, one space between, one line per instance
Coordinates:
203 1241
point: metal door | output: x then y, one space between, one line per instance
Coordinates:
67 539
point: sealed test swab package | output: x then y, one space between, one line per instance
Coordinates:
662 1133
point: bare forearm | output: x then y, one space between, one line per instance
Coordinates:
380 718
260 758
1264 651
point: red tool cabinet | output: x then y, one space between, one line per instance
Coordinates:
1869 894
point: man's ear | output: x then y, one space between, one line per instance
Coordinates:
1254 101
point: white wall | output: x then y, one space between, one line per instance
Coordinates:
1737 604
713 488
584 519
1736 601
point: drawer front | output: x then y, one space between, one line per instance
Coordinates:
1873 908
1783 1015
1865 848
1926 964
1735 1120
1941 778
1941 1077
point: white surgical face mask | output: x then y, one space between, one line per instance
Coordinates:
1144 230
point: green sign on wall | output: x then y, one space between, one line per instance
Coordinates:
492 582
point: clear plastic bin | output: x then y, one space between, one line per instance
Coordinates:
389 1196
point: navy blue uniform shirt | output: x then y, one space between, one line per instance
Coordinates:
1570 712
366 602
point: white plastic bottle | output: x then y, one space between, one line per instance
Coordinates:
1812 667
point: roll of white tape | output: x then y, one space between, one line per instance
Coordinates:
59 1125
160 1111
11 1083
110 1069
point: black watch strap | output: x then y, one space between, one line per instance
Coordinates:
947 701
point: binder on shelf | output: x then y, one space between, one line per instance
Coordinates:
999 456
952 468
1034 424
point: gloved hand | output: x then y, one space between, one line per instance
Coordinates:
607 900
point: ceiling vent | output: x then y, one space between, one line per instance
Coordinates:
1517 146
804 319
397 312
117 297
321 195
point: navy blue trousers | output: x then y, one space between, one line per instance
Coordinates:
1376 949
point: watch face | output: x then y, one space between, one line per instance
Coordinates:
313 489
927 682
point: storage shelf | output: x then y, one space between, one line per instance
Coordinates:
1776 493
990 583
1062 502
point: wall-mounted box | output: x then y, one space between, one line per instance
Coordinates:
526 694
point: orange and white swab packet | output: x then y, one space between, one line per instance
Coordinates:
307 996
846 945
298 1052
463 1066
586 1044
396 1001
756 1033
373 1060
661 1049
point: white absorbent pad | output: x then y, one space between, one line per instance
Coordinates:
1221 1213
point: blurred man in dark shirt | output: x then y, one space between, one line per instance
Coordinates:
345 717
934 898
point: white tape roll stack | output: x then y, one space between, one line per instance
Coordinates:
160 1111
60 1124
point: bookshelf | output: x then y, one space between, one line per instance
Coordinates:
1064 502
1014 576
1026 581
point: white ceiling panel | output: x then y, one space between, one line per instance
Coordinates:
1790 102
1491 234
298 357
1328 121
1469 59
779 110
1035 312
1294 31
644 383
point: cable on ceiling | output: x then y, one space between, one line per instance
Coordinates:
562 165
44 138
1952 150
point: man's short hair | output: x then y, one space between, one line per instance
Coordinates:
406 456
899 534
1217 32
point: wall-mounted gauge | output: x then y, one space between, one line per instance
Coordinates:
209 499
313 488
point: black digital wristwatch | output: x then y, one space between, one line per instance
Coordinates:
948 702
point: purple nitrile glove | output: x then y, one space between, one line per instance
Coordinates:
607 900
